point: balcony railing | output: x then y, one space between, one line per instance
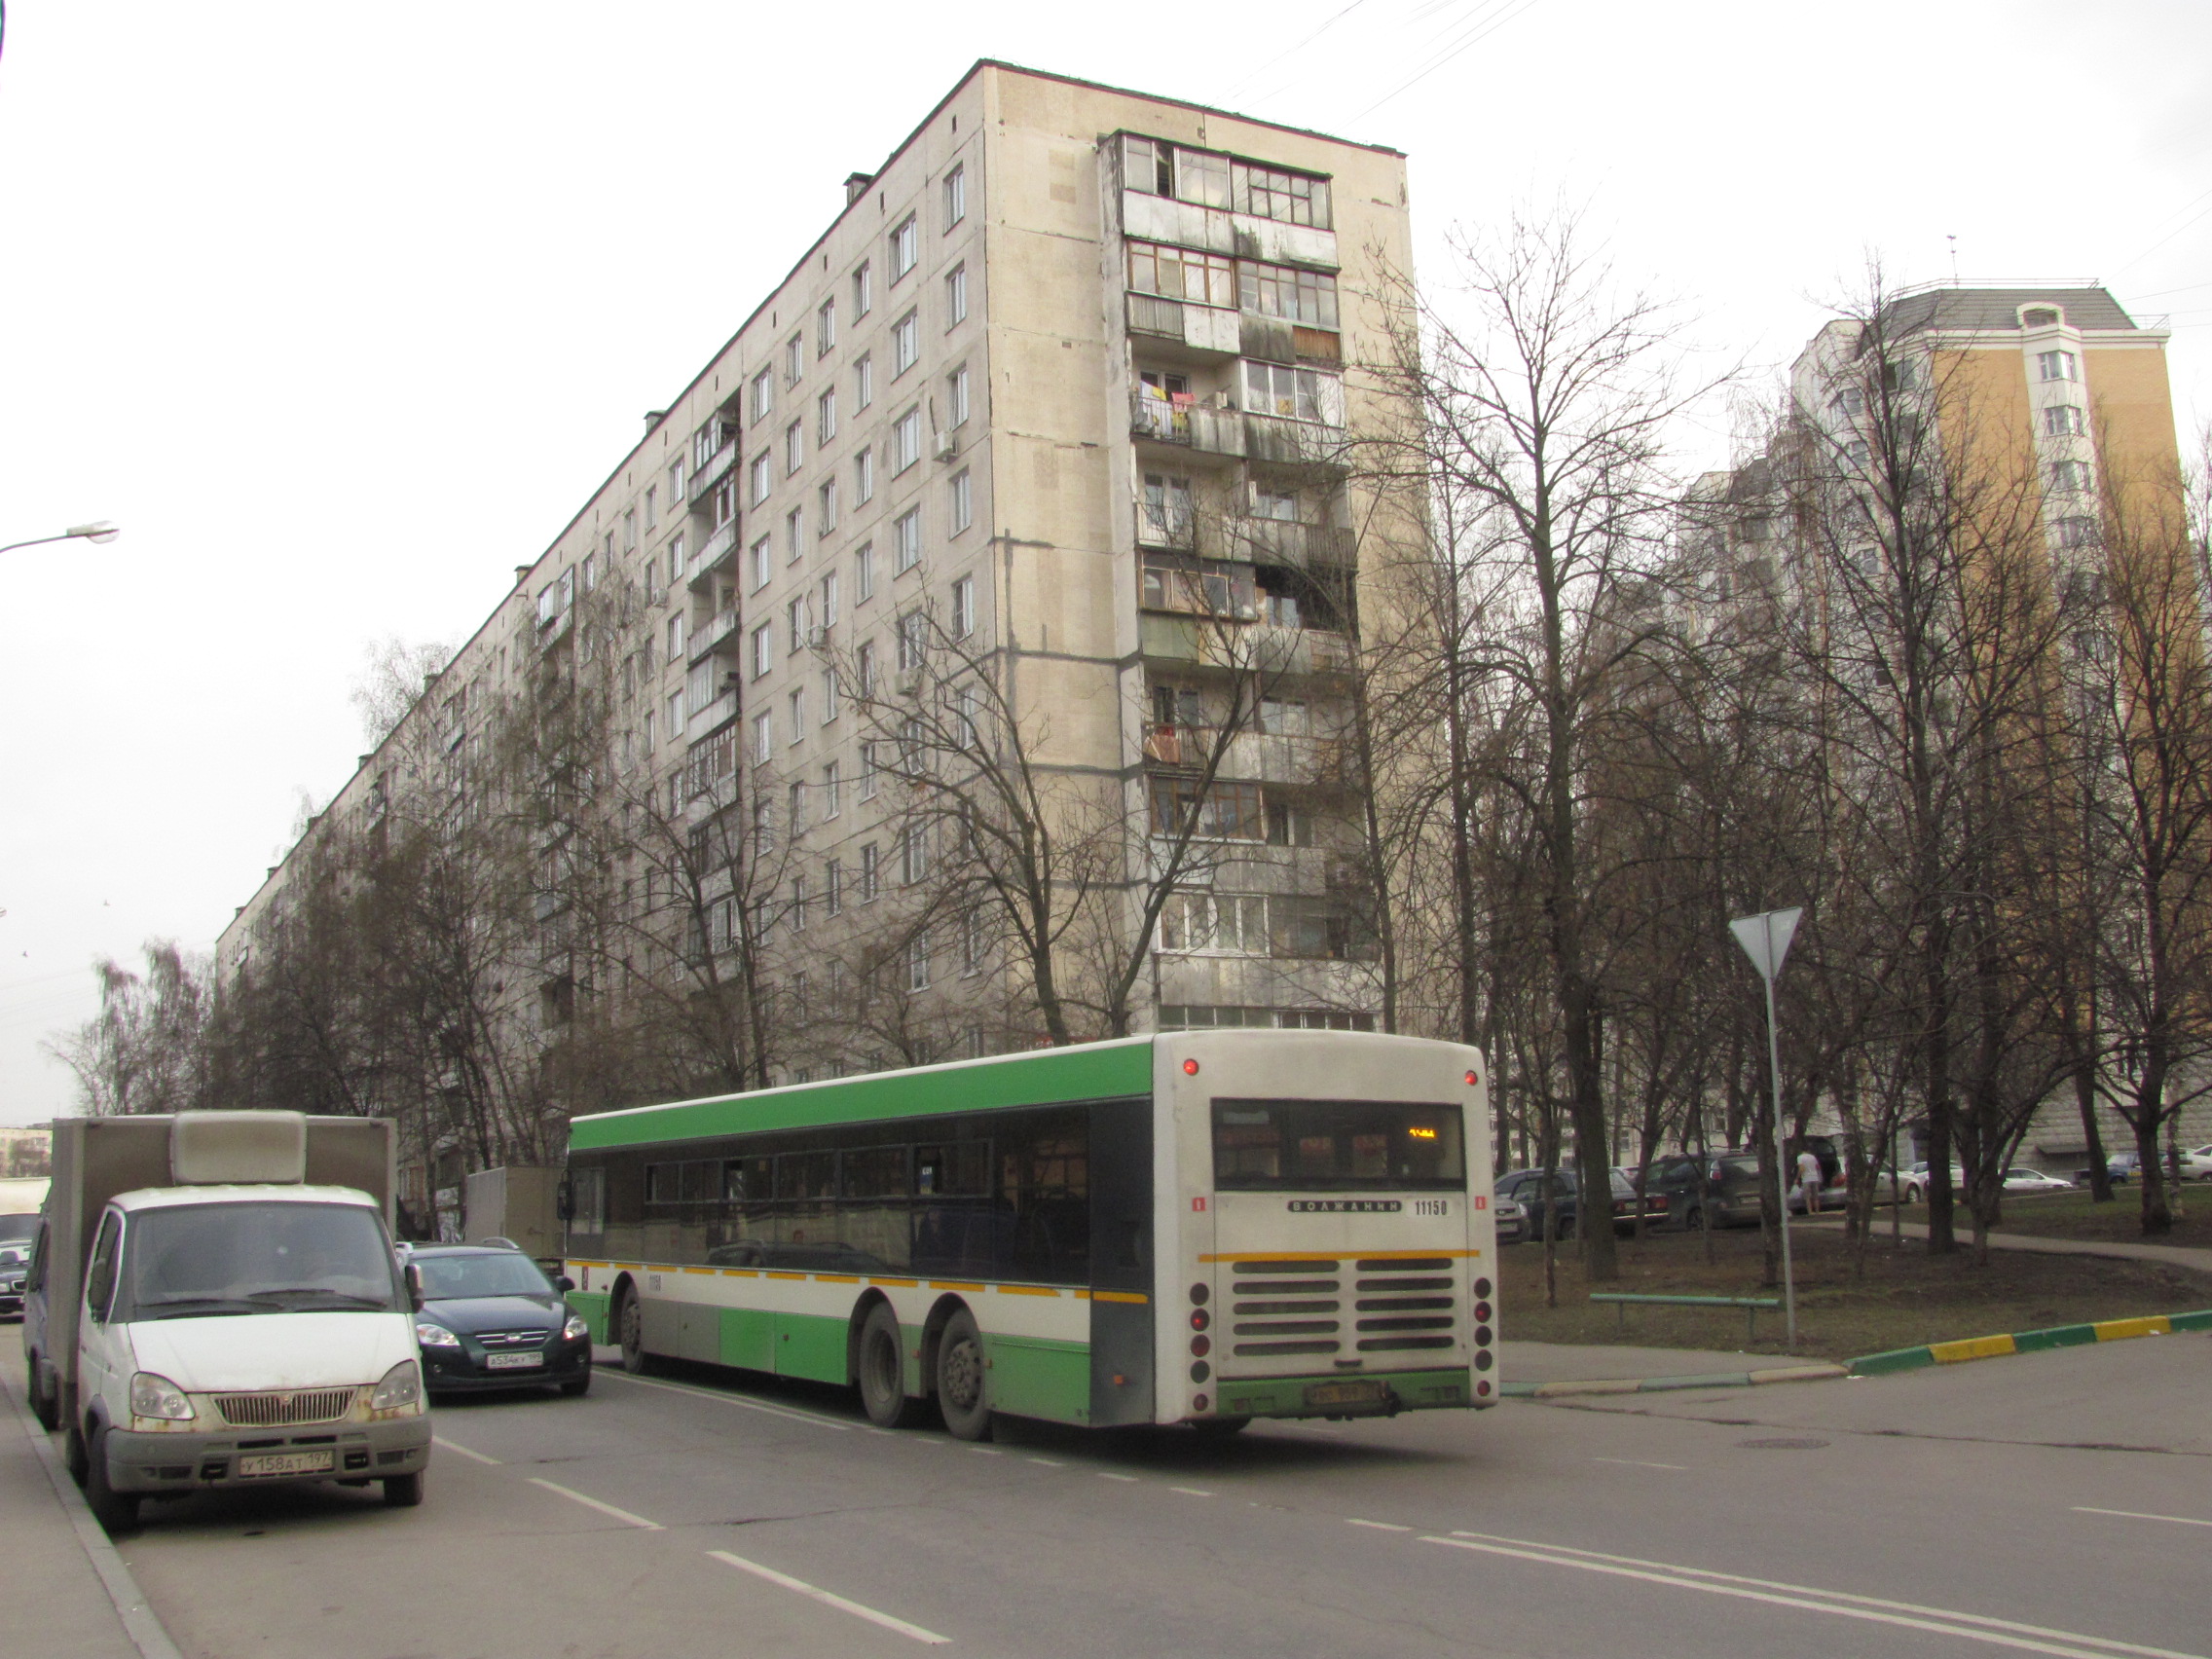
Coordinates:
714 552
719 634
713 471
714 716
1196 426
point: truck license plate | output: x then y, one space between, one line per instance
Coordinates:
1344 1394
321 1462
513 1361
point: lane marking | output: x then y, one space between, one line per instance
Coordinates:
731 1400
441 1440
1190 1492
829 1599
1049 1463
1877 1609
1639 1463
1378 1526
2139 1515
987 1450
622 1515
1104 1476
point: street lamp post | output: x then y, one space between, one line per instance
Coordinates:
99 531
1765 939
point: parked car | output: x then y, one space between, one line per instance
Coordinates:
1916 1182
1723 1189
2121 1168
15 1263
2022 1180
1512 1220
1536 1188
2195 1165
491 1319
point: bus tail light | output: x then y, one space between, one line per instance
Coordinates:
1202 1345
1482 1288
1190 1068
1199 1401
1482 1312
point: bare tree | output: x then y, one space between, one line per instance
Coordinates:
145 1050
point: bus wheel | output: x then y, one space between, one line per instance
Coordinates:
961 1393
630 1332
883 1371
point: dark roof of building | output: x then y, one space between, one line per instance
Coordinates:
1999 308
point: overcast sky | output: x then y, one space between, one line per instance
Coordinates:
342 311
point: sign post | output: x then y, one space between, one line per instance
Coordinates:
1765 939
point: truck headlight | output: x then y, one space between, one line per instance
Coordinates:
157 1404
575 1330
399 1393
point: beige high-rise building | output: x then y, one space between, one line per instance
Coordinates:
1063 394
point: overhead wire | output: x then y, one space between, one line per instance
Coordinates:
1329 22
1481 33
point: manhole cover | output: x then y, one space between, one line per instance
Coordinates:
1783 1443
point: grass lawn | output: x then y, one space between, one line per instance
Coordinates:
1905 1296
2071 1215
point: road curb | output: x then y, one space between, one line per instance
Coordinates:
2027 1342
1668 1384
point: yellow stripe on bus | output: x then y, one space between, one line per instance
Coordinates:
955 1284
1118 1295
1334 1255
1025 1290
904 1284
784 1276
698 1270
740 1273
839 1278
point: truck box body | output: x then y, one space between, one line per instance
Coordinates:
518 1203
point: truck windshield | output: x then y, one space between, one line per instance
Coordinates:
201 1260
1302 1146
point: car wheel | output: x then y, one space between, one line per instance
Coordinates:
963 1389
575 1387
46 1405
630 1332
73 1457
883 1371
1911 1195
403 1492
117 1511
1693 1218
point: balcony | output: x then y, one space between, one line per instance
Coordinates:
1254 757
720 633
716 469
1202 331
552 630
1198 427
712 718
717 550
1250 647
1300 546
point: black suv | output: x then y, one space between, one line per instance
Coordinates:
1725 1187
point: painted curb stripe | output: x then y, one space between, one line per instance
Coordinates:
2028 1341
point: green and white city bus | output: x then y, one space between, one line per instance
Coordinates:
1197 1227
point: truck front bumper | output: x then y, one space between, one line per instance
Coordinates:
179 1463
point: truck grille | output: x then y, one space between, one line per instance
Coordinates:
1280 1308
265 1411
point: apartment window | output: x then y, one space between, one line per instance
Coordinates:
2076 532
2057 366
1277 506
676 485
798 617
963 502
1288 825
863 669
652 507
2063 420
832 795
827 494
908 535
796 795
794 534
2070 476
828 598
762 565
870 874
675 638
907 440
955 197
794 447
675 713
833 888
863 382
763 395
795 357
829 697
864 572
911 627
867 769
826 418
824 327
963 608
1168 512
1271 193
956 394
763 737
956 295
1272 388
724 502
863 290
971 947
648 732
1308 297
967 733
905 247
762 477
918 963
798 712
1182 274
763 653
864 477
1227 812
590 572
905 343
913 855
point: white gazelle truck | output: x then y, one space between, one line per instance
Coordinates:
214 1301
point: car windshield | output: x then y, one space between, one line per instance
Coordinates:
496 1272
200 1260
15 1226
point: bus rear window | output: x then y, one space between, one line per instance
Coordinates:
1327 1146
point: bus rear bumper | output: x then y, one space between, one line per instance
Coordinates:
1338 1395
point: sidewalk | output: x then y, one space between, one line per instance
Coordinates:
2167 1255
60 1567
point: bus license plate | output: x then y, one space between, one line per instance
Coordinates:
321 1462
1366 1393
513 1361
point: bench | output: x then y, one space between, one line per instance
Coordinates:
1751 1305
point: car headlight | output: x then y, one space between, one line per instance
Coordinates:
157 1404
399 1393
435 1335
575 1330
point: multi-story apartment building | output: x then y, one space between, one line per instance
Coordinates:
1063 397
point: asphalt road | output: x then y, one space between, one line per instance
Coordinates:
1941 1514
